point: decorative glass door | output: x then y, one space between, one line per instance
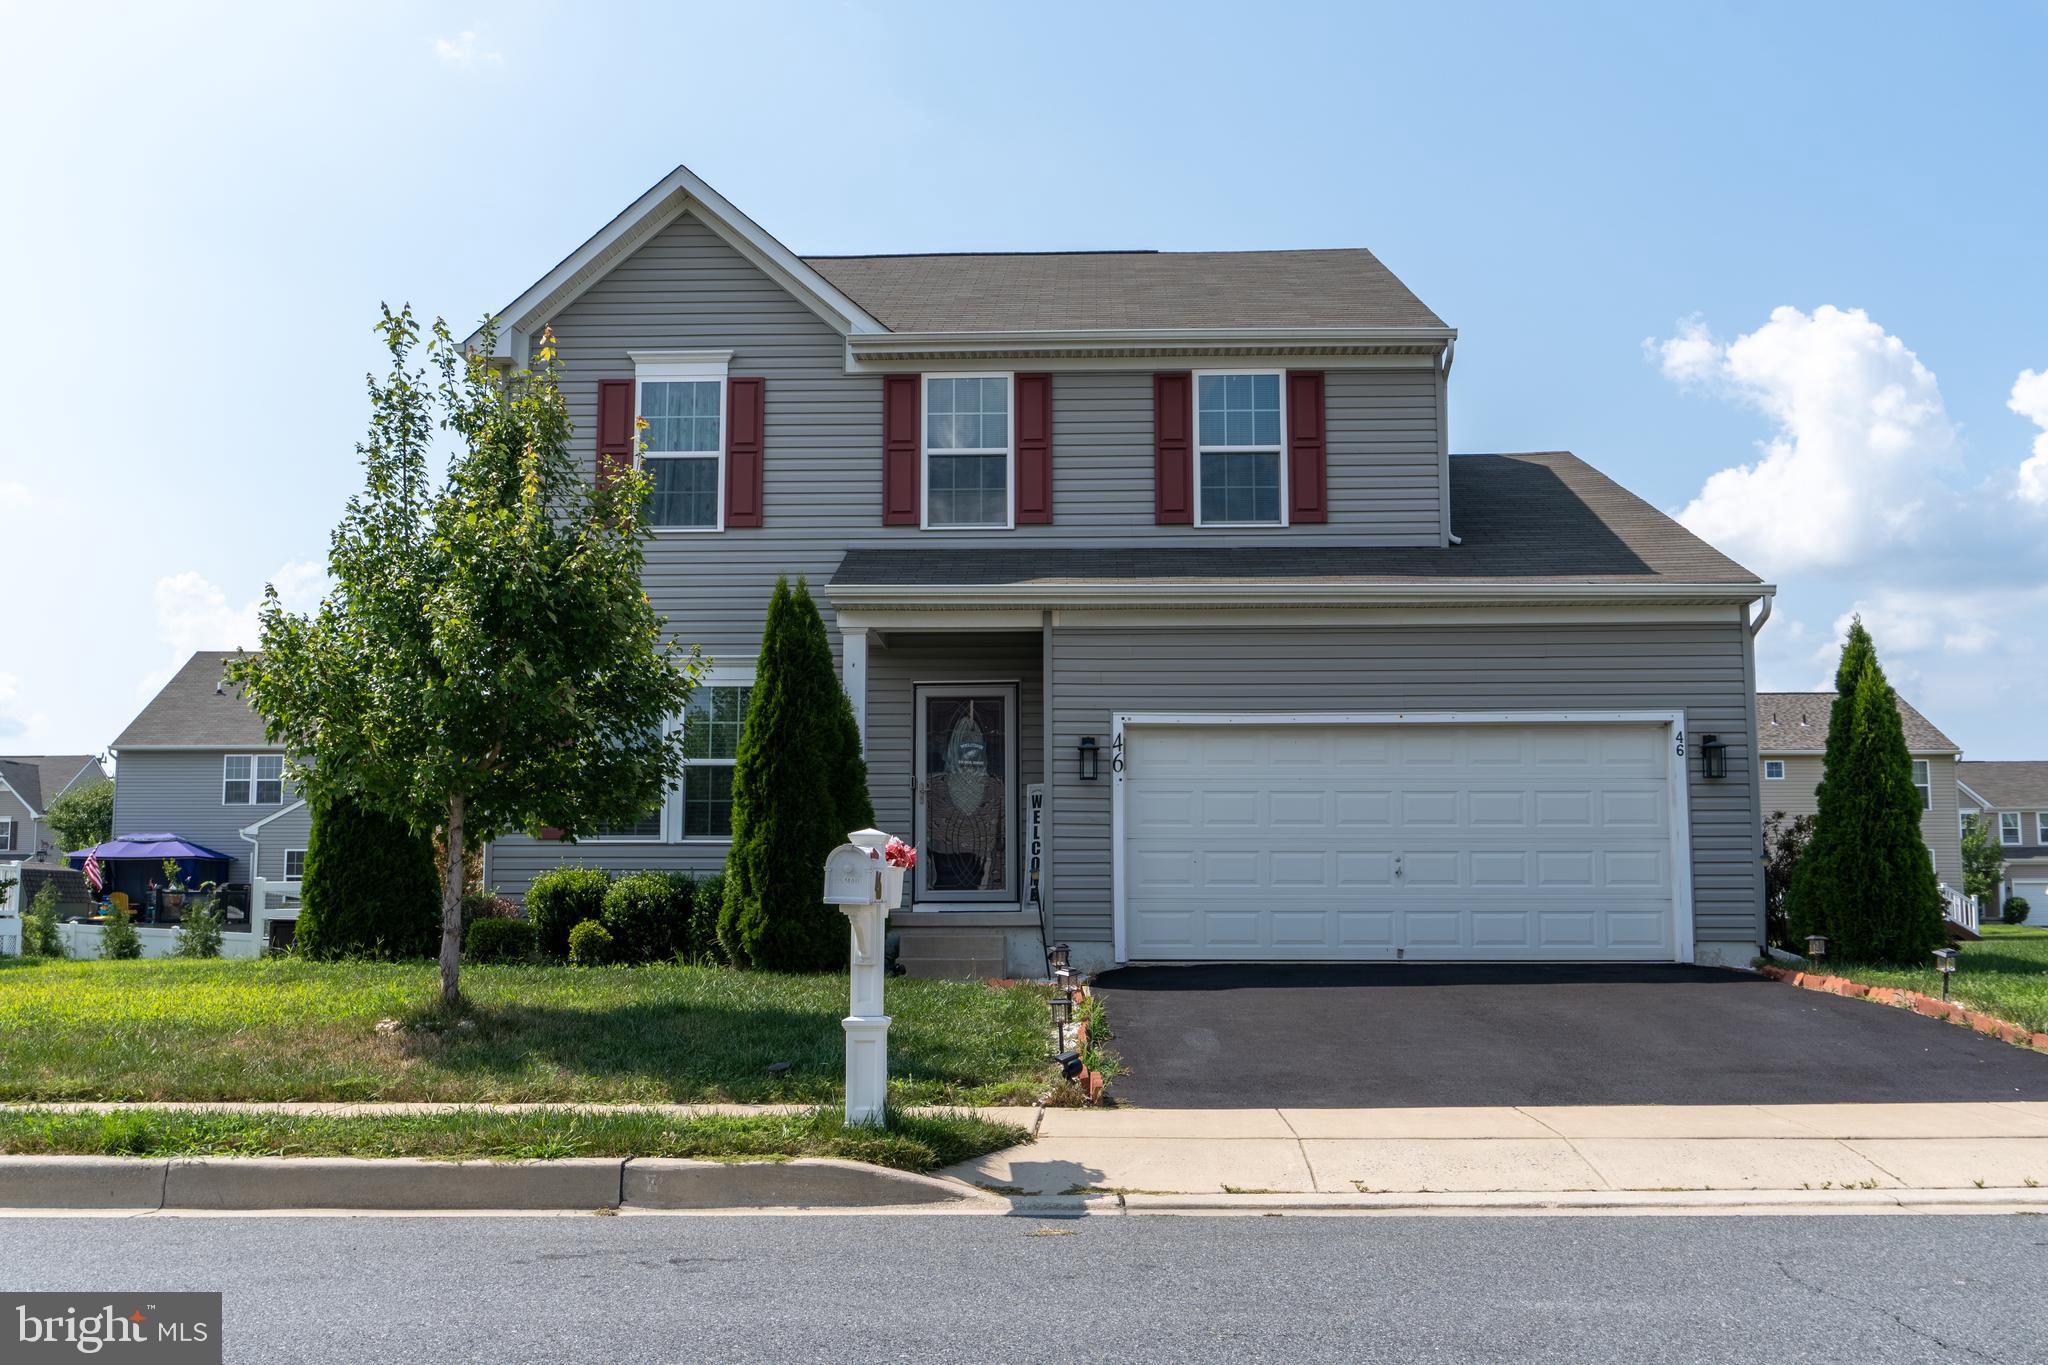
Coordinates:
966 775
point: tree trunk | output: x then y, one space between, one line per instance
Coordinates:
454 885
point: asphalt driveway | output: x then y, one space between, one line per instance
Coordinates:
1413 1034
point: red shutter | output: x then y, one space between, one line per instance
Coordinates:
1034 450
1307 455
547 833
746 414
614 428
900 501
1173 470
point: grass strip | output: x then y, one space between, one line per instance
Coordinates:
2005 976
910 1142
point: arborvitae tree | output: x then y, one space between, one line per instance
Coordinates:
1866 881
799 786
370 888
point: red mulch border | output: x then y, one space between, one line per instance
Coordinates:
1989 1025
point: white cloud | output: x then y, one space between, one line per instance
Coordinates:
465 51
193 612
2030 400
15 497
1861 436
1922 620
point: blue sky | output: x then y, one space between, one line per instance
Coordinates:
1811 240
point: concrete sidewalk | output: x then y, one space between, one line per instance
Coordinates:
1601 1149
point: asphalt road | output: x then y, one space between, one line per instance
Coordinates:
628 1290
1409 1034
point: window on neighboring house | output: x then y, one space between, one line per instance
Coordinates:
252 779
1774 769
683 405
967 450
269 779
295 864
1963 819
2008 827
2041 826
1924 782
1238 440
711 741
235 783
7 835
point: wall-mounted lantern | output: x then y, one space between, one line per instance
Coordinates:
1713 758
1089 758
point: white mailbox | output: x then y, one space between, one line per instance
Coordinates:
858 876
864 886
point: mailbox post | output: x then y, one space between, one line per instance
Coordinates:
865 888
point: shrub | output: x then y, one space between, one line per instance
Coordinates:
798 786
39 936
590 944
700 929
2016 909
118 940
560 899
1785 841
371 888
492 939
484 904
199 927
647 915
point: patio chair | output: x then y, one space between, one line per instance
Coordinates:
119 900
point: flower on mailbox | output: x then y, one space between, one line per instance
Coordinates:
900 854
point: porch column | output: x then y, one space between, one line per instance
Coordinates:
853 668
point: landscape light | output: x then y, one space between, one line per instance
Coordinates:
1816 946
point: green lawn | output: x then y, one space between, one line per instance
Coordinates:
2006 975
911 1142
293 1030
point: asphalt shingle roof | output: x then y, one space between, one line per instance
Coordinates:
196 707
39 778
1524 519
2008 784
1111 290
1797 723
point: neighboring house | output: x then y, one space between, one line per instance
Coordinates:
1794 730
1174 542
2012 799
28 784
195 763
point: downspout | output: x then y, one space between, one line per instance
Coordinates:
1763 616
1443 436
1045 714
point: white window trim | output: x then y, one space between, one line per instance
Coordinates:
8 833
717 677
2041 826
925 451
286 865
1779 764
1195 445
661 367
1926 789
2015 827
282 795
256 780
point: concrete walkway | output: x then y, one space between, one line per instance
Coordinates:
1770 1147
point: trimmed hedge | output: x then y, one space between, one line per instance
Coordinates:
560 899
646 913
499 940
590 944
371 888
2016 909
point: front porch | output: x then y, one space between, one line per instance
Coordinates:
953 721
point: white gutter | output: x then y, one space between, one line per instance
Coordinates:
886 346
1213 593
1765 615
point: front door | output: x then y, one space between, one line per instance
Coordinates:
966 780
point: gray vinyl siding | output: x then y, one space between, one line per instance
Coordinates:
1798 791
178 791
687 289
1697 668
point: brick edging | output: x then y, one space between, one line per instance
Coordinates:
1989 1025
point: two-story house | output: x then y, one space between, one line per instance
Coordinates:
28 784
1793 734
2011 797
194 762
1174 629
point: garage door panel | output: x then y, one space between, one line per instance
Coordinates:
1482 842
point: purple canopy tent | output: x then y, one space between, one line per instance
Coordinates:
133 861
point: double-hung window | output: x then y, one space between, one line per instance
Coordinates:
295 864
7 835
711 743
1240 477
2041 826
968 451
682 401
252 779
2009 828
1923 783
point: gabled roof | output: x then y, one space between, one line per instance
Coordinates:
1797 723
1115 290
2015 784
197 709
1545 524
39 779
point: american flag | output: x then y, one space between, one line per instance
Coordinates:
93 876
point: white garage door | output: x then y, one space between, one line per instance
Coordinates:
1500 842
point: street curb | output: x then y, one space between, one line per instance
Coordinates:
81 1182
250 1183
1595 1201
808 1183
